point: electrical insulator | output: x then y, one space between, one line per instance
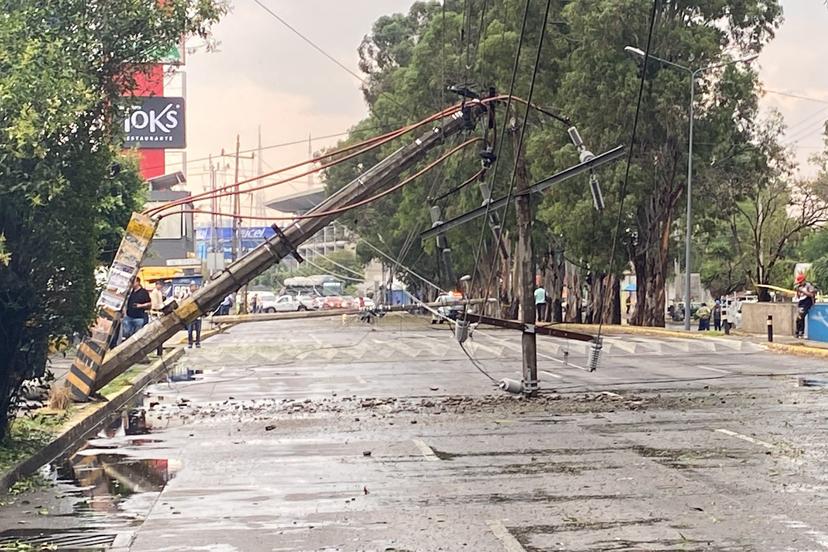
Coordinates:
595 354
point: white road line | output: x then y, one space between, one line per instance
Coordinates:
510 543
425 449
562 362
490 350
711 369
746 438
551 374
818 536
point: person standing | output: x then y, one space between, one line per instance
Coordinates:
226 305
540 303
138 304
193 327
704 317
717 316
157 308
805 295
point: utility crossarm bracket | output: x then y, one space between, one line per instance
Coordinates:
591 164
540 330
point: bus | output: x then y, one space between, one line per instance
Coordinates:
319 285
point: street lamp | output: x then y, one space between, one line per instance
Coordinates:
693 74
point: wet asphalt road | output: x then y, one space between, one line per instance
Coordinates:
330 436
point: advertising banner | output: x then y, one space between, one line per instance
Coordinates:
156 123
111 302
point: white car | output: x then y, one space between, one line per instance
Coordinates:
450 307
289 303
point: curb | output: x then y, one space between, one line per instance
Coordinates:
64 442
798 350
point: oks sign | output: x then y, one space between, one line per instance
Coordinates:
156 123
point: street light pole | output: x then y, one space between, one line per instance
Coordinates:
689 232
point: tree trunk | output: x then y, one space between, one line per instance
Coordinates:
605 302
553 282
573 293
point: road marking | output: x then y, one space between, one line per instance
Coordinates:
711 369
818 536
551 374
490 350
562 362
510 543
565 363
746 438
425 449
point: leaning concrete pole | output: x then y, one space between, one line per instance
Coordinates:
279 246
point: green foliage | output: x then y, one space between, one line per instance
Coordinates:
63 69
585 74
27 435
28 484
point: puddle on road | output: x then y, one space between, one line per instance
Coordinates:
107 486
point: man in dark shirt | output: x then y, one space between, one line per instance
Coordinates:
138 304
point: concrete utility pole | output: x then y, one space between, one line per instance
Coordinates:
526 270
214 208
277 247
236 245
236 204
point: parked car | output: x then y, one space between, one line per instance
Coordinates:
287 303
327 303
449 307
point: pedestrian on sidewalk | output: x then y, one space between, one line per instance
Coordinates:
195 325
805 294
157 307
717 316
704 317
540 303
138 304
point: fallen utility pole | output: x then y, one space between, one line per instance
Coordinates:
277 247
303 315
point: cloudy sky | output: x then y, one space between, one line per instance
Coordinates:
263 74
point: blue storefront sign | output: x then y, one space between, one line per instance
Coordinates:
251 237
817 324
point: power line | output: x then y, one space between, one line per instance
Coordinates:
274 146
402 266
502 138
517 153
311 43
797 96
622 193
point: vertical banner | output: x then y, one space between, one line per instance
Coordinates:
93 349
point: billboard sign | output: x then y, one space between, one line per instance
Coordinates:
156 123
250 236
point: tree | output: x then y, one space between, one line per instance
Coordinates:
762 213
63 68
584 74
599 91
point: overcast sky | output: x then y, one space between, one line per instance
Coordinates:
263 74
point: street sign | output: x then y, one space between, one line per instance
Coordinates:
156 123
